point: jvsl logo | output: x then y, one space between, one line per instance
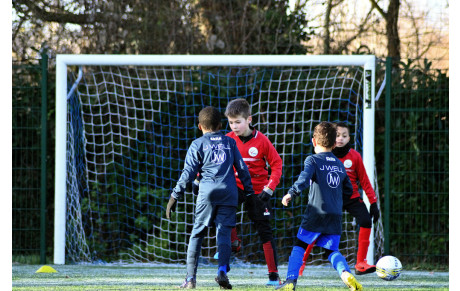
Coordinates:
333 179
218 157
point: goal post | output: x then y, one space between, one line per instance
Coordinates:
64 62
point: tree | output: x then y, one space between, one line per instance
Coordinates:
159 27
391 18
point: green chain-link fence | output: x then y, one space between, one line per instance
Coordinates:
412 160
29 96
416 190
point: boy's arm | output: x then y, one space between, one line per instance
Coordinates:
364 180
188 174
303 182
191 164
367 187
276 166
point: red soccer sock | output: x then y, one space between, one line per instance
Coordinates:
270 257
234 235
363 244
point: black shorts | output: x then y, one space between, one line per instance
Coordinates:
257 209
358 210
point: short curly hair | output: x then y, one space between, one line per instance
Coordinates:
325 134
210 118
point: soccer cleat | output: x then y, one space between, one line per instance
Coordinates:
188 284
223 281
288 285
364 268
351 282
273 279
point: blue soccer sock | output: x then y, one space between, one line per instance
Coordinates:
223 269
295 262
338 262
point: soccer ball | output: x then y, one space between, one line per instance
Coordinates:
388 268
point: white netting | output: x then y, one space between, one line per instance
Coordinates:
130 127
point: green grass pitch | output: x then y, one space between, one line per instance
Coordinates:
169 277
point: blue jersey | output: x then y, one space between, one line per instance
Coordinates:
213 156
327 178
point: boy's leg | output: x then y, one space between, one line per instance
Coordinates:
194 248
357 209
224 221
265 233
223 246
331 244
294 264
260 213
235 241
305 257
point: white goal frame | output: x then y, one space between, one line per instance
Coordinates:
63 61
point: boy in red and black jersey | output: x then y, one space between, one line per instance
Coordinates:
354 166
257 151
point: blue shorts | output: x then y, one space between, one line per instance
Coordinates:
327 241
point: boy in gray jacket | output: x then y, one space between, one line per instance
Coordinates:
213 156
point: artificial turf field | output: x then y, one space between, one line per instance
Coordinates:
169 277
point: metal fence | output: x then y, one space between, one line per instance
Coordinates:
412 127
416 163
29 158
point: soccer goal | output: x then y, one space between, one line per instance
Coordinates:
124 124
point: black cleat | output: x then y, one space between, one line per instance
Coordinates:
273 279
223 281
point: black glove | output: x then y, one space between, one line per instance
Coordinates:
171 207
195 187
265 196
374 211
241 196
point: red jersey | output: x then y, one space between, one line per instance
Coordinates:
256 153
355 169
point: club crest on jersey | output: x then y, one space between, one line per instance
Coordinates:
347 163
218 157
253 152
333 179
266 213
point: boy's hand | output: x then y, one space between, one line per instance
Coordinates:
171 207
266 194
374 211
286 199
195 187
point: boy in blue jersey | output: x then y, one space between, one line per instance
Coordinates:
213 156
322 220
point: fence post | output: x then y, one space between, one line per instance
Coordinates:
44 107
386 224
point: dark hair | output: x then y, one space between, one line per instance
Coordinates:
325 134
210 118
343 124
238 107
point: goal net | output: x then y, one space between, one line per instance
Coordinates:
124 124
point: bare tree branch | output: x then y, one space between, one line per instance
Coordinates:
361 30
63 17
380 10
